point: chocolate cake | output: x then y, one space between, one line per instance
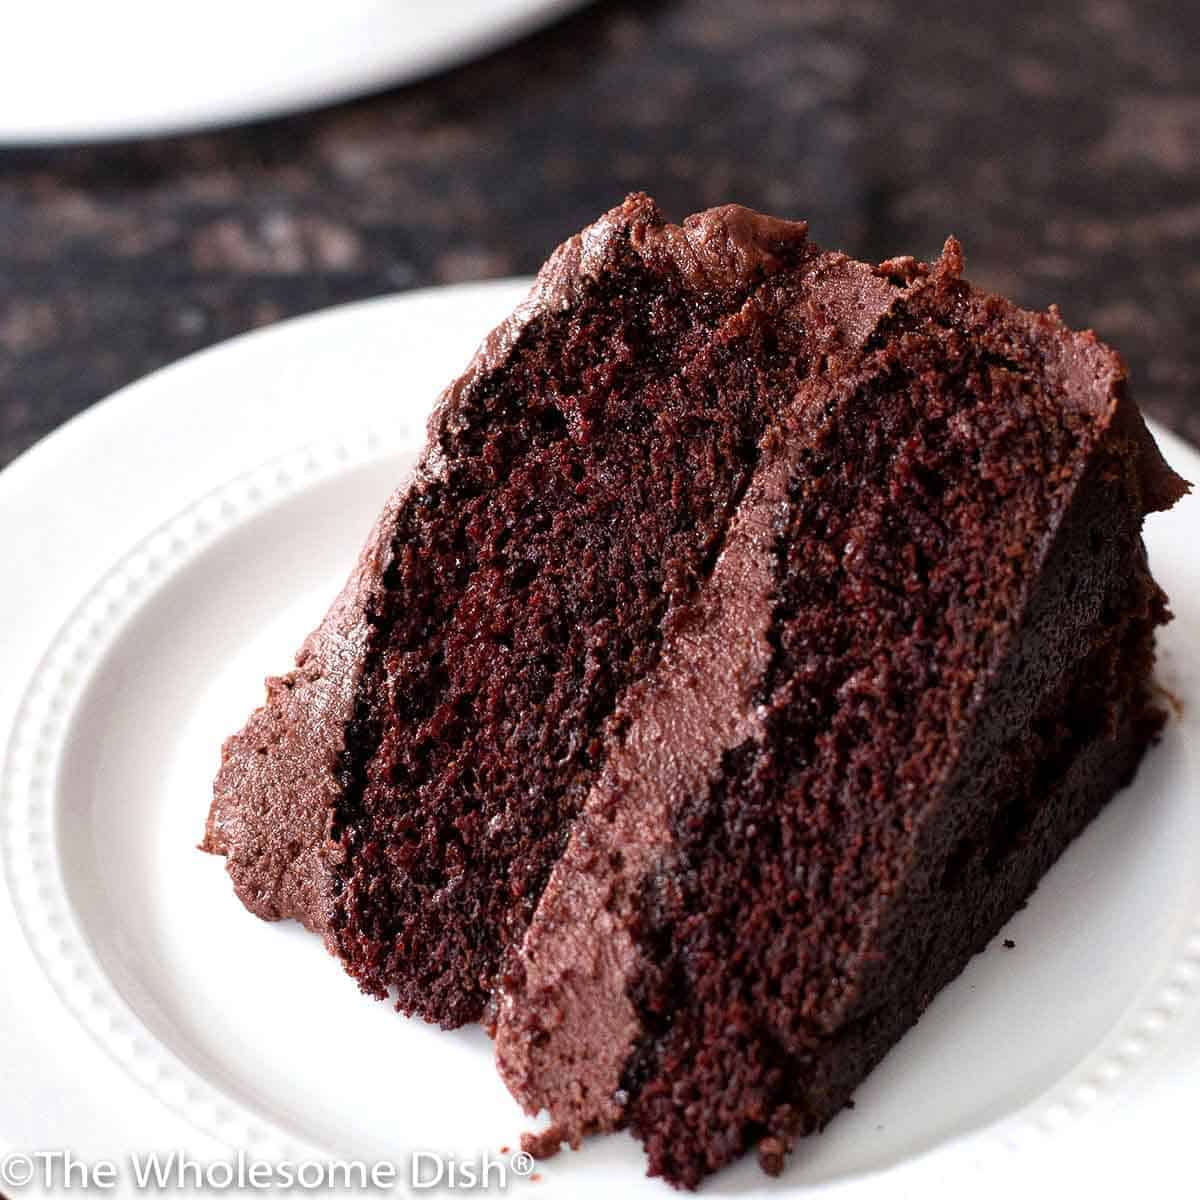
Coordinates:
757 627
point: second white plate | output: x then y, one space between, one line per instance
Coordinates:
130 68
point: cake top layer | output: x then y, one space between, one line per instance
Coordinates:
731 248
712 256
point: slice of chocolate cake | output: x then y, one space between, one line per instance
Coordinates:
756 630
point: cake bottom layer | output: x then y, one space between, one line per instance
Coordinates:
855 1053
816 1083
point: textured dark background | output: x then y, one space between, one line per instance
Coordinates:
1060 141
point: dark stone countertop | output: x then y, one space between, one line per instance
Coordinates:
1060 142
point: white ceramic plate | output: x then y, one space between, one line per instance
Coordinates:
170 547
72 71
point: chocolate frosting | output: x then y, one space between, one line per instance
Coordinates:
562 1041
273 797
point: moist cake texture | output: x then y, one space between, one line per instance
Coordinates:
756 629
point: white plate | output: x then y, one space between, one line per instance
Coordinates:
72 71
170 547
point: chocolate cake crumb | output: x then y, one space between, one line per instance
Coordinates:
543 1145
772 1155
